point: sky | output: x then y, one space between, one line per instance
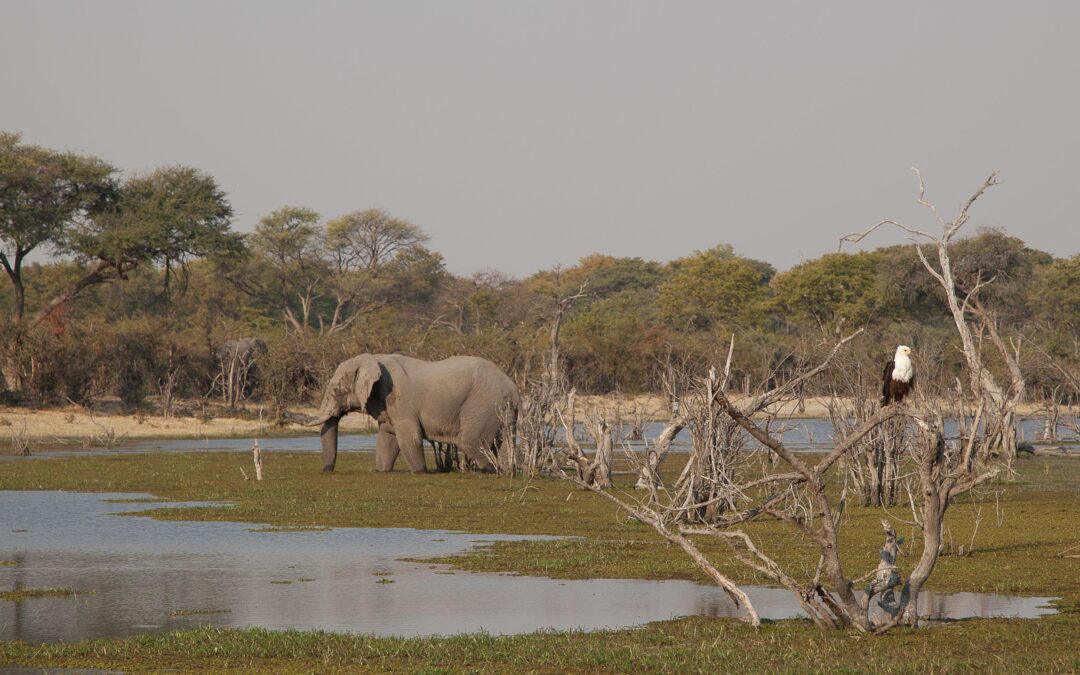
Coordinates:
520 135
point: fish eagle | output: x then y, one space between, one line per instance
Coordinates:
899 377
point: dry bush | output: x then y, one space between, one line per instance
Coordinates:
286 376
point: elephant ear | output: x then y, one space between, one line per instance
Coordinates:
350 387
368 372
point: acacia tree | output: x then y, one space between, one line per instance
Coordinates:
43 195
371 238
285 267
165 218
326 276
72 205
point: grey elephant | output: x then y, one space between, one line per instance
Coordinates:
236 363
464 400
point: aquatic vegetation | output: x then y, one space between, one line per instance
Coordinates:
198 612
33 593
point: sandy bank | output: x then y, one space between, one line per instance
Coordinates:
102 425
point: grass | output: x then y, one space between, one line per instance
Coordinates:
1023 555
686 645
34 593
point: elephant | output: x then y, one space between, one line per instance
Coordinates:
236 361
464 400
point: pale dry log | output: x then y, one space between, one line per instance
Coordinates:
809 598
649 474
257 455
596 471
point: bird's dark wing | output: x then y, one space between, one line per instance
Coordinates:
886 377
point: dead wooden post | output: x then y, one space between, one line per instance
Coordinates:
604 452
257 453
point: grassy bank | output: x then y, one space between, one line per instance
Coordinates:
686 645
1028 526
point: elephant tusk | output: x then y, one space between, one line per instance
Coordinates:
319 422
305 420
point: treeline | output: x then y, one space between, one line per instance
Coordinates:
148 280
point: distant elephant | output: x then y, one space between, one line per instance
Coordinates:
236 362
464 400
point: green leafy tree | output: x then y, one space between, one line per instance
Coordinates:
370 239
43 195
1054 298
1002 267
378 259
835 289
606 276
164 218
612 343
715 287
286 269
908 292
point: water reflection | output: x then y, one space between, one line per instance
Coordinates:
137 575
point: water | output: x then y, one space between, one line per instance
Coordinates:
799 435
139 575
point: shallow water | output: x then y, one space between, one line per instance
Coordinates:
799 435
139 575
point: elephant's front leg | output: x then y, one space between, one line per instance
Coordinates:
411 442
386 450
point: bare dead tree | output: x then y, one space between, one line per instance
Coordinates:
166 386
706 487
20 438
601 432
972 320
537 423
799 491
562 306
674 381
256 455
1064 394
873 467
657 451
593 471
535 427
639 418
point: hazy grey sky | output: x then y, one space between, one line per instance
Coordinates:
524 134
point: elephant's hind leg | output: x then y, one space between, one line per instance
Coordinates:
386 451
478 442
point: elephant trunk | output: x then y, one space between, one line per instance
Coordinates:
328 438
